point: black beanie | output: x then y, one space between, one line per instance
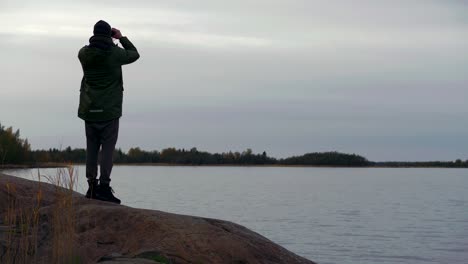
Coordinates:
102 28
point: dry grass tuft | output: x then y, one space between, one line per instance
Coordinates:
22 221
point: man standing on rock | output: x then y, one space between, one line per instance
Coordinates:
101 96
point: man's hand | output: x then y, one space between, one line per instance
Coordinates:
116 33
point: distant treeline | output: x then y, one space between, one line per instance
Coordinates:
16 151
423 164
195 157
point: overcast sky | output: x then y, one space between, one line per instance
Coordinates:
384 79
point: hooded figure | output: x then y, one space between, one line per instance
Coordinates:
101 97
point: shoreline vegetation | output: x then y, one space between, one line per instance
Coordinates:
402 165
16 153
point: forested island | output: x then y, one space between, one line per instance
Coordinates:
17 151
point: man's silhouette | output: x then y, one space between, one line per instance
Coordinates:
100 107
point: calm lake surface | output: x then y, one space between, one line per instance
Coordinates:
329 215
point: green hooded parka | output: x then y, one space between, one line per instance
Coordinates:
101 92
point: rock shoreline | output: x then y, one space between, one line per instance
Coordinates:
109 233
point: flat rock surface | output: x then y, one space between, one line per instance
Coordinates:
95 231
129 261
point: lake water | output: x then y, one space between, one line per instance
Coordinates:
329 215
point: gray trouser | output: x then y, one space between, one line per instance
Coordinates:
100 134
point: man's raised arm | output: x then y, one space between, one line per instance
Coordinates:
129 53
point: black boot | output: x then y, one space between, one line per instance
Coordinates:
92 189
105 193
